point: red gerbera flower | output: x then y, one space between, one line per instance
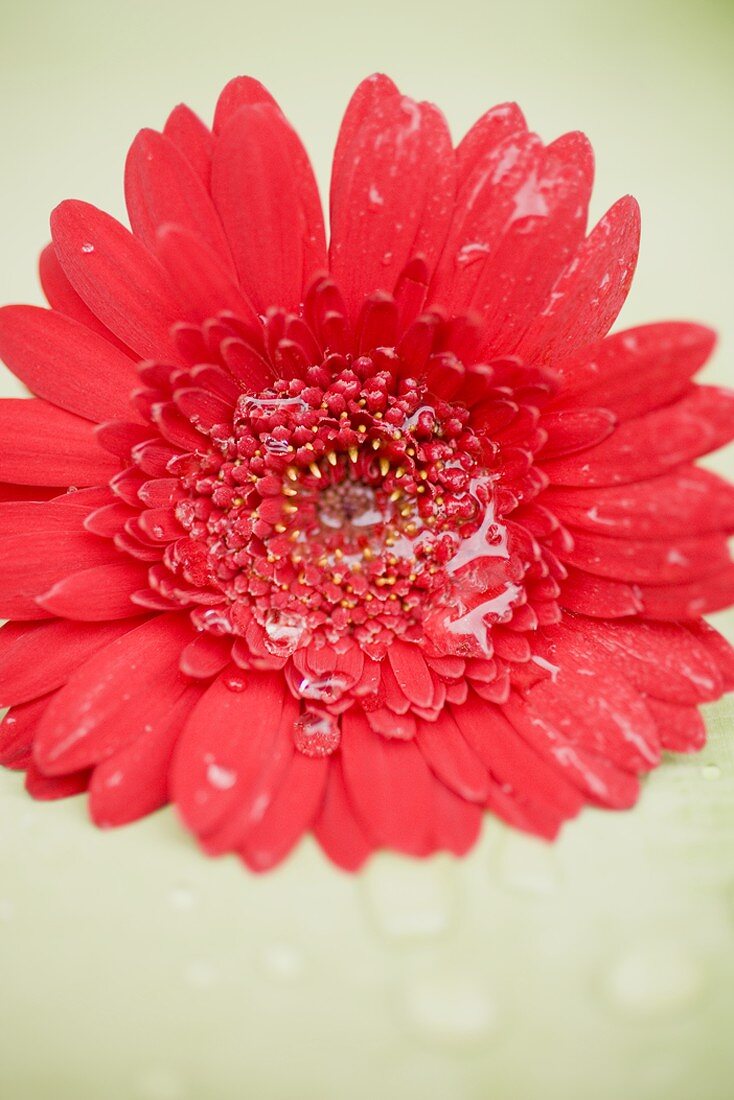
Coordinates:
367 539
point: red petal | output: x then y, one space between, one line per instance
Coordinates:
266 194
102 592
206 656
541 235
192 138
450 758
599 597
593 704
37 659
336 828
589 294
392 190
456 824
571 430
681 729
661 659
599 780
675 561
65 363
241 91
200 278
689 601
117 277
389 786
45 787
638 370
515 765
691 501
654 444
134 781
411 673
216 766
718 648
485 202
39 545
43 445
114 696
62 297
162 188
17 730
291 812
489 131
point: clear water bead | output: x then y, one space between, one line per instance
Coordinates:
283 632
316 733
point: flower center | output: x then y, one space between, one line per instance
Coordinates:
348 501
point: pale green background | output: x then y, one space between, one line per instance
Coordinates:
602 968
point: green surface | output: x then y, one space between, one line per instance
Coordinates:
601 968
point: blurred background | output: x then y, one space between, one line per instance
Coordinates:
601 967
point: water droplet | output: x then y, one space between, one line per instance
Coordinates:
200 974
275 446
182 897
325 689
471 253
282 962
655 979
316 733
450 1008
410 900
552 669
212 619
284 631
159 1084
87 247
267 406
219 777
387 259
711 771
234 681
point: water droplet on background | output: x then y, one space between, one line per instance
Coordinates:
282 962
182 897
159 1084
451 1008
410 900
710 772
655 979
200 974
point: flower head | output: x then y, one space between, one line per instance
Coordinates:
364 539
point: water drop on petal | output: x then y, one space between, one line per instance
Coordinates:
283 632
234 681
325 689
316 733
